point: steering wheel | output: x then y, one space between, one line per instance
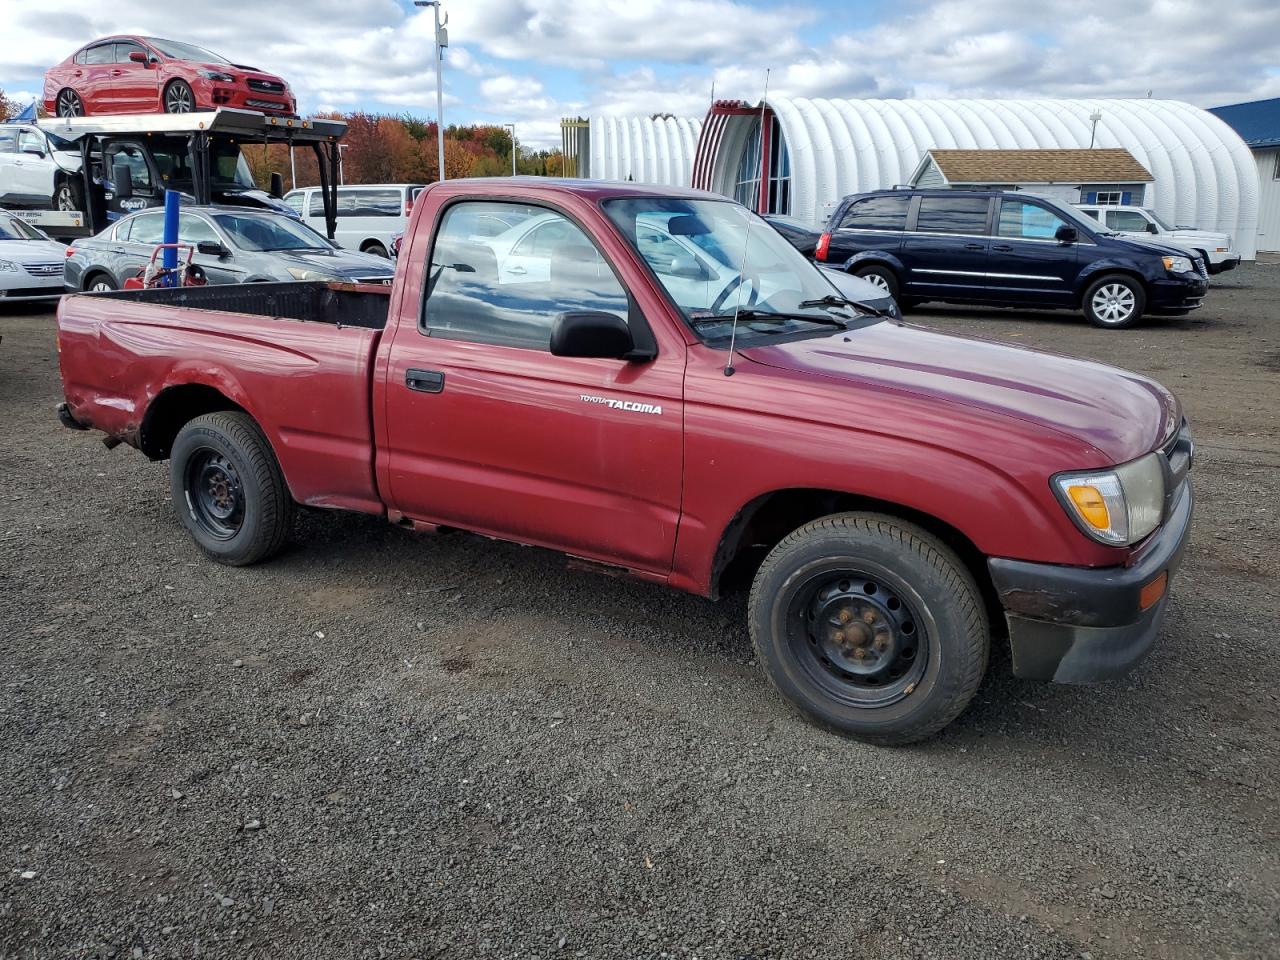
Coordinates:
752 297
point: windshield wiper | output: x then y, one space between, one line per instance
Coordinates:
831 300
772 316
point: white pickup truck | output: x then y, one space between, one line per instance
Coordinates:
1143 224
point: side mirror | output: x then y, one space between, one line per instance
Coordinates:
277 186
212 248
591 333
138 56
1066 234
122 181
34 151
1152 228
687 268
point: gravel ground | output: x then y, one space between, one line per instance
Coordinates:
387 745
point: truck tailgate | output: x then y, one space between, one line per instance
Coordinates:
306 383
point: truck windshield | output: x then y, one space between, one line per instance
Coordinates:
228 170
257 233
715 257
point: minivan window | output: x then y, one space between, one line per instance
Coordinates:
967 215
1027 221
877 213
370 203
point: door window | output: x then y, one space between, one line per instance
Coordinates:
102 53
30 141
1127 221
193 230
147 228
966 215
294 200
1027 221
316 207
132 157
877 213
126 47
8 141
466 301
369 203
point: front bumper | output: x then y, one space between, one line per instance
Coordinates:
1177 294
1225 264
1079 624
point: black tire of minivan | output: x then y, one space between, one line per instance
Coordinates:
228 489
886 277
1114 302
870 626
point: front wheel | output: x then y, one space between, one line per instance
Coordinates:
228 489
178 98
870 626
69 195
376 249
1115 302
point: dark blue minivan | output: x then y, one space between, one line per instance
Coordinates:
1007 249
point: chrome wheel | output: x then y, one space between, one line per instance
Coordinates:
100 286
1113 303
178 98
69 104
878 281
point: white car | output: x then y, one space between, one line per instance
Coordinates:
1139 223
30 263
38 170
369 215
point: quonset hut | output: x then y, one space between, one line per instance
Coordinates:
800 156
656 149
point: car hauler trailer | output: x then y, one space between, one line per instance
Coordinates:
197 154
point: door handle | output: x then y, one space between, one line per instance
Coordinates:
117 73
974 246
518 271
424 381
1003 247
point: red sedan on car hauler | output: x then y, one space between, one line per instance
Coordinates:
129 74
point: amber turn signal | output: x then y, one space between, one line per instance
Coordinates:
1091 505
1153 591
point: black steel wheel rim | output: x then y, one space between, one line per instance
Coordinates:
215 494
179 99
858 636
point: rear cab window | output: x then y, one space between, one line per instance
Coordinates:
508 289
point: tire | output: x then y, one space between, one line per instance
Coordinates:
832 592
228 490
1114 302
882 277
377 249
69 195
68 104
100 283
179 98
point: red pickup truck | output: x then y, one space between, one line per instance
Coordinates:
654 380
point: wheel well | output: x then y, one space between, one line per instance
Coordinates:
760 525
372 242
172 410
87 282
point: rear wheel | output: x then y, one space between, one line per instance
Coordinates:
870 626
69 104
228 489
178 98
69 195
100 283
377 249
1116 302
879 276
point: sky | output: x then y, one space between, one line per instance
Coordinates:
531 62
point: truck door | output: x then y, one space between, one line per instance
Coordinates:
146 189
486 430
945 255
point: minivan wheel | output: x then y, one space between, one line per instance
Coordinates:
1116 302
228 489
881 277
870 626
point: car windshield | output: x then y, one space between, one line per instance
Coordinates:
185 51
11 228
715 257
228 169
259 233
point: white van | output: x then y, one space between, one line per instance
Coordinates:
369 215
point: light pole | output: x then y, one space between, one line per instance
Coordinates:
341 178
512 128
442 41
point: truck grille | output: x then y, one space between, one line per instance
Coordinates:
43 269
1179 452
266 86
1201 268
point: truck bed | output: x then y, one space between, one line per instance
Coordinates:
298 357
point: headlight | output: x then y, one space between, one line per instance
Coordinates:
300 273
7 267
1178 265
1118 506
217 75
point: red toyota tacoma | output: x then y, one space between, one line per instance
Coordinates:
654 380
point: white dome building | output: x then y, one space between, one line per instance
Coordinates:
817 151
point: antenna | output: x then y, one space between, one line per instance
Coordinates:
746 240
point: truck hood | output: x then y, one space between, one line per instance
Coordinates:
1121 414
1207 238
